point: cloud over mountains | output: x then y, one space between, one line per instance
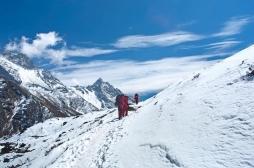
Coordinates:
52 46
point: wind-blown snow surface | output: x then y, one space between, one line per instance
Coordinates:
79 141
202 122
206 122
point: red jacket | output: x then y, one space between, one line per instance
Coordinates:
126 102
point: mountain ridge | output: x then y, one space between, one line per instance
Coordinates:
19 72
105 92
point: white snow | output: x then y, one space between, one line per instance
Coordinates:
207 122
201 123
19 105
27 76
88 96
62 142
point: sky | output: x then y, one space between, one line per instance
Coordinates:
138 46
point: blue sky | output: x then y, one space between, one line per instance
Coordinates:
139 46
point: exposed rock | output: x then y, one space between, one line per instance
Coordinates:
105 92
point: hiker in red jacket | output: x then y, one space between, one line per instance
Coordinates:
120 103
136 98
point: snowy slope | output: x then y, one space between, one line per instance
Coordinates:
88 95
62 142
201 122
205 122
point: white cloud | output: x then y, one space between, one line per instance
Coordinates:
11 46
52 46
59 55
133 76
233 26
36 47
166 39
216 47
222 46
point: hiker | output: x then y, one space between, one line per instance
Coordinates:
120 103
136 98
126 105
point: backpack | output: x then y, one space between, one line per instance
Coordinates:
118 99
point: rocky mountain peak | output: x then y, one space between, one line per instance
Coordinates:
99 82
105 92
19 59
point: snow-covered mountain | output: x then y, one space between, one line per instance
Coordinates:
205 121
19 109
88 95
17 69
19 59
42 83
105 92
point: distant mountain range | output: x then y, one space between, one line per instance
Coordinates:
30 95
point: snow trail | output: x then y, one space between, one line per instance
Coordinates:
68 142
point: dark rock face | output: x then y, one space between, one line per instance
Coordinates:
13 148
19 59
19 109
105 92
5 74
